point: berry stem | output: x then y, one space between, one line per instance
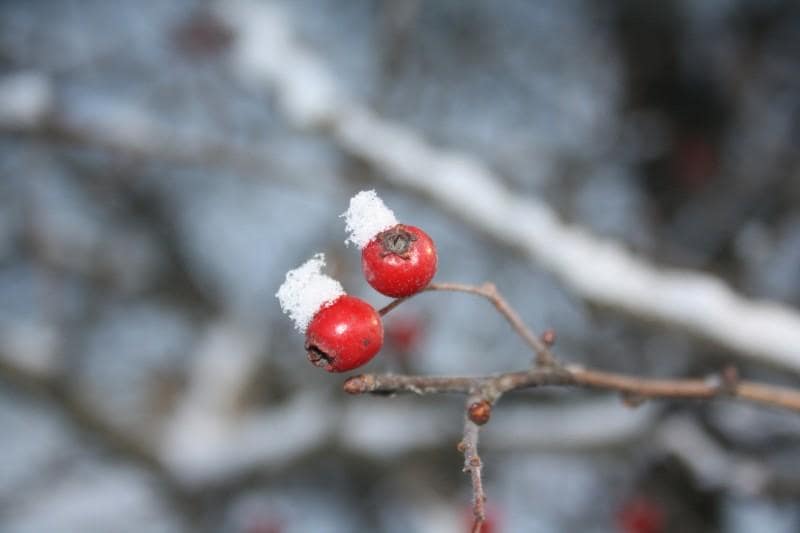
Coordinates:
544 356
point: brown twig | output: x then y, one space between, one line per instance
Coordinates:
550 373
472 464
483 391
492 387
488 290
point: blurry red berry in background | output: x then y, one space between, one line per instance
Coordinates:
695 162
641 515
264 525
400 261
404 333
490 525
203 35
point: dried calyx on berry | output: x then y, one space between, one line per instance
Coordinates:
398 260
342 332
396 240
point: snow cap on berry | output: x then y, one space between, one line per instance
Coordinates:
366 217
306 290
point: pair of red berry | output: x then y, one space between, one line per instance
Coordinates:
347 332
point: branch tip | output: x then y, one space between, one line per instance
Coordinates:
549 337
357 384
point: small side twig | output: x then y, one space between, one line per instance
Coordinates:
472 464
483 391
488 290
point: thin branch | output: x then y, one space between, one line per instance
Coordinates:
488 290
392 383
483 391
383 311
492 387
472 464
549 373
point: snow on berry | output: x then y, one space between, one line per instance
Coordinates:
306 290
366 217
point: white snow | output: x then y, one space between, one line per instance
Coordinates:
306 290
366 217
25 98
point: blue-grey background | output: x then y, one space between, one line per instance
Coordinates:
148 381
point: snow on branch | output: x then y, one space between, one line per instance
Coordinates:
600 270
25 99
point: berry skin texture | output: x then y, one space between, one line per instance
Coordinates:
344 335
399 261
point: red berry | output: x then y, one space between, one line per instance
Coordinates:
344 335
264 524
641 515
490 525
404 333
400 261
